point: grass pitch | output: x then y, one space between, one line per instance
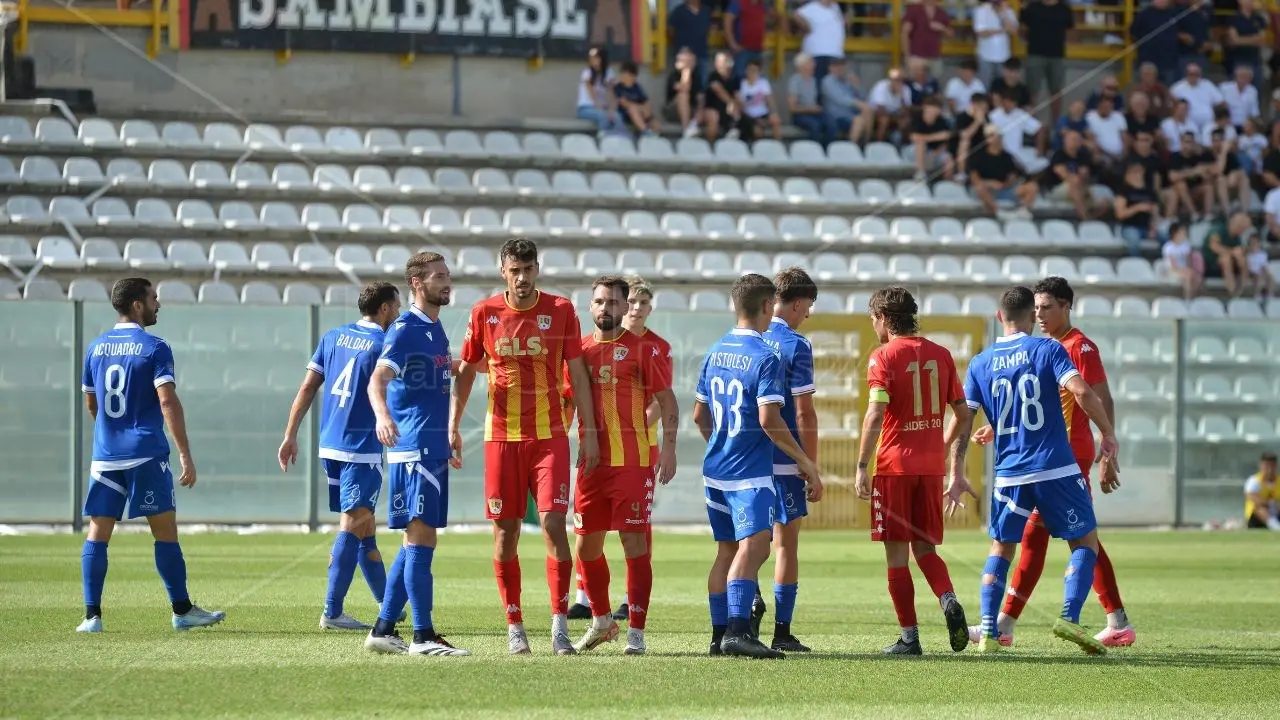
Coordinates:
1205 605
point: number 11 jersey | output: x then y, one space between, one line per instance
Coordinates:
916 378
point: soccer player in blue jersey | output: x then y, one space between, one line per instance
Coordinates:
130 392
796 293
1015 382
341 366
738 410
409 391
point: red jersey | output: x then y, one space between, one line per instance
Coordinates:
918 380
653 344
525 349
1088 361
625 374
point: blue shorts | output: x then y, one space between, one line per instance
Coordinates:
352 485
793 502
1006 195
147 488
736 515
418 491
1064 504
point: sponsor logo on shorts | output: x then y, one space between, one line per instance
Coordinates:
1073 520
164 467
577 520
148 503
544 322
397 501
743 520
789 500
495 508
564 490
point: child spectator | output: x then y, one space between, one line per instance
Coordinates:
633 103
1250 146
758 107
1183 261
1255 258
931 136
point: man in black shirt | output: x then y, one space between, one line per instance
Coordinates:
1140 119
1142 152
1228 175
1010 84
931 135
1046 24
1068 177
995 178
968 136
1188 171
684 92
721 113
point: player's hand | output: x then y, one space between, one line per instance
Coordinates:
588 451
288 453
388 432
666 465
812 481
862 485
455 449
187 478
1110 477
1109 450
955 492
983 435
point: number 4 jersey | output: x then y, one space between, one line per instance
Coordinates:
739 374
916 378
123 368
345 359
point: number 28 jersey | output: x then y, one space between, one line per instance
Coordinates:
740 373
917 379
345 358
123 368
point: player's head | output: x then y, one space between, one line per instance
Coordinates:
1267 465
429 281
379 302
794 296
639 303
135 300
1054 298
752 297
518 263
893 313
609 301
1017 309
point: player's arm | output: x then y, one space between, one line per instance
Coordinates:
872 424
588 444
387 430
176 420
702 416
473 356
669 411
566 398
311 383
86 385
91 404
802 390
1093 407
770 416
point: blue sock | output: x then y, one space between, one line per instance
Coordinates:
993 594
394 599
173 571
93 574
418 582
342 568
741 594
371 565
784 602
719 609
1078 583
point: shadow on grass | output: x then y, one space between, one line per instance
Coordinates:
1236 660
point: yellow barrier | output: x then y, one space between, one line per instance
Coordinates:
163 14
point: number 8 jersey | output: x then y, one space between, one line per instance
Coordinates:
1015 382
740 373
123 367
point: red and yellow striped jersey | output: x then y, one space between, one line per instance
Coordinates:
1088 361
625 374
526 350
654 344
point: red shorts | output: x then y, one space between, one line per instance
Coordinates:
906 508
513 470
613 498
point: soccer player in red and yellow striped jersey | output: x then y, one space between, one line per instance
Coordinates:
525 337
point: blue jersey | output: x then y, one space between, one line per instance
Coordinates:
417 350
797 374
124 367
1015 382
345 359
739 374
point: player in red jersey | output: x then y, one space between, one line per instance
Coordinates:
618 495
1054 298
526 336
912 381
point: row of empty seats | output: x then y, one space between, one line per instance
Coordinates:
1134 349
221 137
1246 389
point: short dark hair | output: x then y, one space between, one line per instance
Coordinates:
752 294
794 284
374 295
613 282
1175 227
628 67
1017 303
755 63
1013 63
520 249
933 101
127 291
897 307
979 97
1057 288
969 64
416 267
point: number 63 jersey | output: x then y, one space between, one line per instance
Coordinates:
740 373
916 378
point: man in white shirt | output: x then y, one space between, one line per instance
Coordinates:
994 22
823 23
1241 96
1271 208
890 100
963 86
1201 95
1177 125
1013 123
1106 132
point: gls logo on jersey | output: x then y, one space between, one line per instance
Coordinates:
512 347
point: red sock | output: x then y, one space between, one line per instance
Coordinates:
1104 583
596 575
559 578
639 588
578 579
508 574
903 592
935 571
1035 543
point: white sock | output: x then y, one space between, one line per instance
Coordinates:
518 627
559 624
581 597
1118 619
1005 623
601 622
634 634
910 634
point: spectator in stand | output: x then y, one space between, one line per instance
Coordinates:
758 108
1271 214
1177 125
1245 38
1228 175
994 23
1183 261
1221 123
1014 124
1105 138
1250 145
1262 496
890 102
1271 162
1256 261
1241 96
1109 88
1139 119
689 25
1155 31
684 93
921 84
1201 95
1191 170
1137 209
1075 120
1195 44
1157 93
962 87
745 25
996 178
1223 251
721 113
1010 83
924 25
1046 24
802 101
633 103
1068 178
931 136
1143 153
845 104
1274 61
595 91
970 131
822 23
